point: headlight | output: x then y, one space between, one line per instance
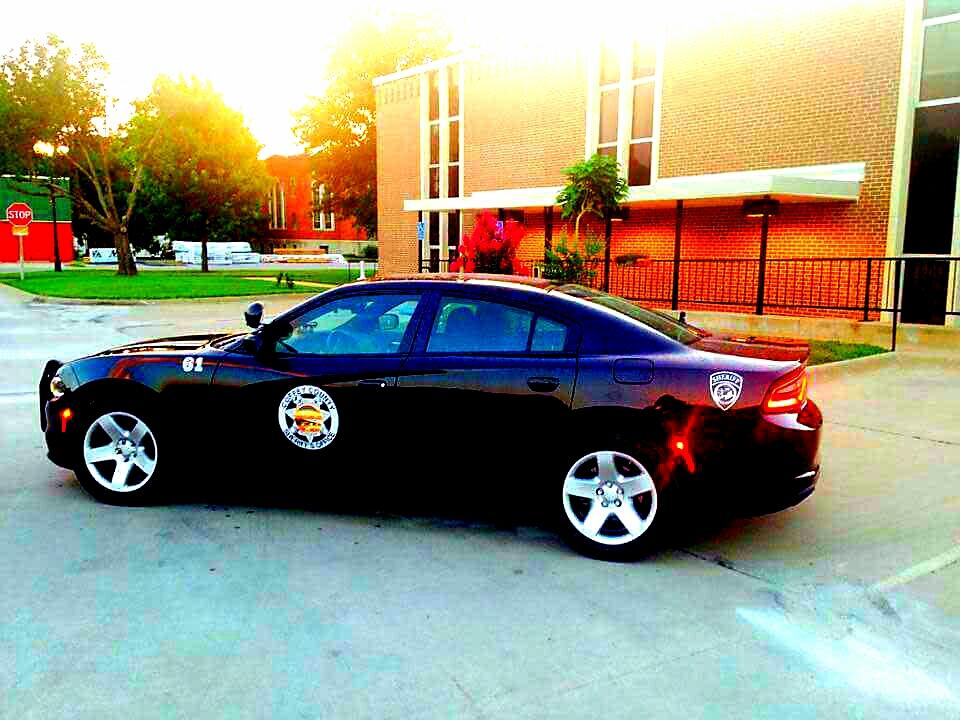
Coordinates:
57 387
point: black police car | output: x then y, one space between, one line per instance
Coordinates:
545 395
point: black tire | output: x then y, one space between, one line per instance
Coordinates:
143 488
612 543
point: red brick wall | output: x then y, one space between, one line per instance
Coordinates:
294 174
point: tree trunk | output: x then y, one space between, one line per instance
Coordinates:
125 261
204 263
576 230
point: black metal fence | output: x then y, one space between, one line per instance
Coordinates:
908 289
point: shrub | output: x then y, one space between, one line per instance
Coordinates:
489 249
572 266
371 252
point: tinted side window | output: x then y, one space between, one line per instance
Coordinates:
353 325
466 326
548 336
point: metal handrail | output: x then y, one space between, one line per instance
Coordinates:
855 285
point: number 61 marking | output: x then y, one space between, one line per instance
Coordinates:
193 364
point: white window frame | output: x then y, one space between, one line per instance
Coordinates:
625 87
915 29
444 118
326 219
926 24
278 207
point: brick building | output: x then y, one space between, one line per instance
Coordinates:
294 206
846 114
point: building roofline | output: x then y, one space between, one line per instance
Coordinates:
419 69
838 182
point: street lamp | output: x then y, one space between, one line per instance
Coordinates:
51 151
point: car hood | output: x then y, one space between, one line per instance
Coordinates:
176 344
766 348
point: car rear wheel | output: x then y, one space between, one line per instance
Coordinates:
120 456
611 505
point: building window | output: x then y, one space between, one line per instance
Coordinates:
940 73
624 122
322 221
441 164
940 8
932 223
277 207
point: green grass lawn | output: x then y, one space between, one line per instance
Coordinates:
167 284
828 351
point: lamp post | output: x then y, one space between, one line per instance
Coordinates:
57 265
51 152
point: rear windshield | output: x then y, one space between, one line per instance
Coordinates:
661 322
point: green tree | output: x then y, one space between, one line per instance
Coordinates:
50 95
203 179
339 128
594 187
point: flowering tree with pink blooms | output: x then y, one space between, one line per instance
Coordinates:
491 247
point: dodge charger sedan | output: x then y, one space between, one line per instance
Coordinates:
604 415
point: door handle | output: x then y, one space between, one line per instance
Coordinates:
373 383
543 384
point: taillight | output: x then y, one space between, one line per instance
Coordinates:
787 394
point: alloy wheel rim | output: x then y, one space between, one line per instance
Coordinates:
120 452
609 497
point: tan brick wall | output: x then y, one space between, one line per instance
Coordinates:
751 87
398 171
790 84
524 120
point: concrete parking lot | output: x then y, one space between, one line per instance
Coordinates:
263 604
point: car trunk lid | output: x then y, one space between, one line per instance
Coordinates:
765 348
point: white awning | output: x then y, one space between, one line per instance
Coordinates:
814 183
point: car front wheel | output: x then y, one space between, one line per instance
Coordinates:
120 456
611 505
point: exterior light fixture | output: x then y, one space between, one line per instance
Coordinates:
759 208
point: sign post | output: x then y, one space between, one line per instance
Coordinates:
19 215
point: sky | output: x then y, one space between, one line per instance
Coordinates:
268 58
265 58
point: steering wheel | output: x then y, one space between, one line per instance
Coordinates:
341 342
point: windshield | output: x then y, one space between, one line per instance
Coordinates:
661 322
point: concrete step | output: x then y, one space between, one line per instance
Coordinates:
933 337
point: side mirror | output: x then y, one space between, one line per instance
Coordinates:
253 315
389 322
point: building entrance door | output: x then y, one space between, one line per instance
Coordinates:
932 225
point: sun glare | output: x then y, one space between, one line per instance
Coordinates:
267 60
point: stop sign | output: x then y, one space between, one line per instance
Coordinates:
19 214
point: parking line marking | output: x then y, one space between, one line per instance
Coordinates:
950 557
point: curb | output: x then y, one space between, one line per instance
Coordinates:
855 366
51 300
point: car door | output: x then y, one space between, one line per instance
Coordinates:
489 381
325 390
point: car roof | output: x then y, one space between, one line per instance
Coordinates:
488 279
